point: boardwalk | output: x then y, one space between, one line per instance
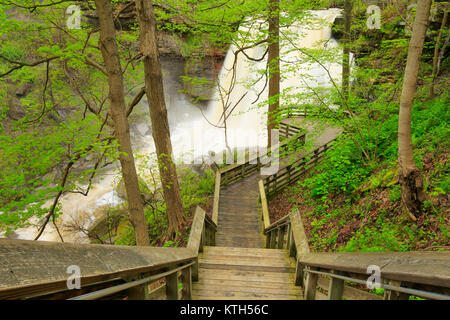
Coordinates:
238 267
239 225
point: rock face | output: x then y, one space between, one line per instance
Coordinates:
201 72
16 111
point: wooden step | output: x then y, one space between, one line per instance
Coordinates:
247 244
260 284
226 235
245 288
239 244
251 275
246 261
228 295
244 251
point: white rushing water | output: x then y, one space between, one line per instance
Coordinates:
192 135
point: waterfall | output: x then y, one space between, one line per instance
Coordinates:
192 135
249 118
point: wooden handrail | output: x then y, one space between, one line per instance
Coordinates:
215 213
292 172
203 233
280 222
264 207
425 274
428 268
235 172
108 291
36 268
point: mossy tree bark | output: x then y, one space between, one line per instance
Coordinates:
410 177
110 53
158 114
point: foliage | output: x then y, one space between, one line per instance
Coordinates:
386 238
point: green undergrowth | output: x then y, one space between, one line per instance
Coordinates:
348 204
196 190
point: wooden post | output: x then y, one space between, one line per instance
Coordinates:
311 284
273 239
292 248
202 239
281 232
299 274
138 292
288 237
394 295
336 288
195 270
172 286
268 240
186 277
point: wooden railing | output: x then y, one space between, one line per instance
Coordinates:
38 270
292 172
203 233
235 172
421 274
292 112
402 274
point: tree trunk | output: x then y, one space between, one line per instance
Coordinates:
436 53
158 114
410 177
274 66
346 55
110 52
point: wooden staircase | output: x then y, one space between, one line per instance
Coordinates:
238 268
232 273
239 222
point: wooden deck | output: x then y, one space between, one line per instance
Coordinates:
230 273
239 267
239 220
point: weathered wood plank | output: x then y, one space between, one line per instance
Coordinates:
33 267
264 206
195 236
299 234
215 213
172 286
431 268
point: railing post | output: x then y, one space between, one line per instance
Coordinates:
268 237
281 232
202 239
186 277
288 236
273 239
311 284
336 288
299 274
195 270
292 248
138 292
395 295
172 286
